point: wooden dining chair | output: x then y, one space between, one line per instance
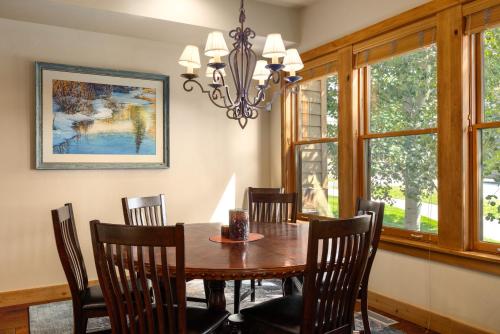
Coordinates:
272 207
238 295
88 301
151 211
337 254
364 206
124 253
266 205
145 211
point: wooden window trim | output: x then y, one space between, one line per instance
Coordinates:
463 255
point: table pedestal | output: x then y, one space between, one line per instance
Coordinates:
216 298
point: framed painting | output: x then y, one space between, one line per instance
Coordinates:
93 118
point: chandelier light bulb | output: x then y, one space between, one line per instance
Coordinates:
261 73
216 46
292 61
190 58
274 48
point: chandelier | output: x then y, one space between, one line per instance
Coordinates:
246 100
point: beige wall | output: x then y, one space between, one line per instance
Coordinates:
462 294
327 20
212 159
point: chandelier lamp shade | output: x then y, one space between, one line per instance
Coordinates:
242 100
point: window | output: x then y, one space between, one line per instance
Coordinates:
486 133
316 147
389 148
401 140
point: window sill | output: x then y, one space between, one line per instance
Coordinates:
484 262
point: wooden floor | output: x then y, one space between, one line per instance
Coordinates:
15 321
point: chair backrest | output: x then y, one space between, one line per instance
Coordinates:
69 250
252 191
337 254
145 211
122 253
364 206
273 207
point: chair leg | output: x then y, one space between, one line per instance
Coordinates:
207 290
364 311
237 295
252 286
259 282
79 323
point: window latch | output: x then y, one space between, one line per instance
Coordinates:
416 236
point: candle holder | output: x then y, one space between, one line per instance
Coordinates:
224 231
238 224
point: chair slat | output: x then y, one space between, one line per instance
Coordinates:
145 211
273 207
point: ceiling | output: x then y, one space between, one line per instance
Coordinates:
290 3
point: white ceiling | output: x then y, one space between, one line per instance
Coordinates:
290 3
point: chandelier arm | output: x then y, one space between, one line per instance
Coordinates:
261 92
218 78
211 94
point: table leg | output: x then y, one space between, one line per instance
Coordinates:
287 284
216 299
292 285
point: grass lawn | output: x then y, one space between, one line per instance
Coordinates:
393 217
397 193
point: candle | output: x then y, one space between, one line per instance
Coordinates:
238 224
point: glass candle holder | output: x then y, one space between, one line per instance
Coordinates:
224 231
238 224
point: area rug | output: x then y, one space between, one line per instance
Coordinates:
56 318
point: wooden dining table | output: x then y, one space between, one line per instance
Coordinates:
280 254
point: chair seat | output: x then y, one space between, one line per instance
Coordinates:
201 320
280 315
93 299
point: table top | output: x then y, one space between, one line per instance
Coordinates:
281 253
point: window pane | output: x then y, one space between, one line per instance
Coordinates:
403 92
317 179
402 172
318 109
490 185
492 75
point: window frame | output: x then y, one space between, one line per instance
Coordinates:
478 123
365 135
296 141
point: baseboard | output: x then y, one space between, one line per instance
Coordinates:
42 295
420 316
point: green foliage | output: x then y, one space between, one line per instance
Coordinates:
491 208
490 138
403 96
492 74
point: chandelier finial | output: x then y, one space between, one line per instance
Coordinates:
242 12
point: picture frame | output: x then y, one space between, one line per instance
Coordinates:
95 118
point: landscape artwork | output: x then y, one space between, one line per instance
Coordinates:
90 118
